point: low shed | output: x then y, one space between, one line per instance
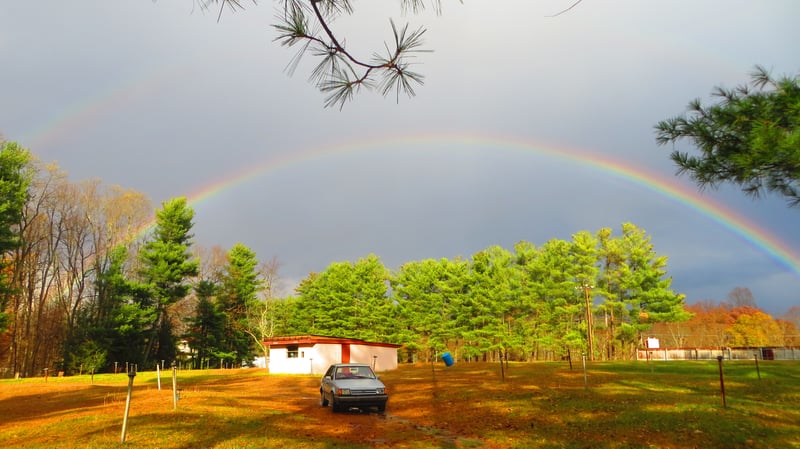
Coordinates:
312 354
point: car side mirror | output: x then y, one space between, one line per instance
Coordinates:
327 377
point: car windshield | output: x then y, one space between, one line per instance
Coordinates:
354 372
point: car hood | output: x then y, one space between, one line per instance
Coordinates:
358 383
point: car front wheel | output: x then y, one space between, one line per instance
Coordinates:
323 401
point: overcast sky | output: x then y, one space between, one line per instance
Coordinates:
514 136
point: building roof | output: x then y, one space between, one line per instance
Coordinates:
311 340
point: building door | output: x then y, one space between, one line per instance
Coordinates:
345 352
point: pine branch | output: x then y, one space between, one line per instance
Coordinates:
567 9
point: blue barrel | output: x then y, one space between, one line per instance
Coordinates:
448 359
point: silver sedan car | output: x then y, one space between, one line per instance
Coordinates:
350 385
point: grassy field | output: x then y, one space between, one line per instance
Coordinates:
539 405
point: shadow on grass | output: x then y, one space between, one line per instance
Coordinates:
185 430
55 403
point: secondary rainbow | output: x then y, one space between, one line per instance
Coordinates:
668 187
84 113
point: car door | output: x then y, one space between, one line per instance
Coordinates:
327 381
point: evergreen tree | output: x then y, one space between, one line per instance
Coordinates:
373 307
238 291
595 293
565 307
751 138
583 258
346 300
647 294
15 179
609 285
484 312
206 328
116 324
166 267
426 293
285 315
530 310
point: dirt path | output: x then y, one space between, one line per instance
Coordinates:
407 422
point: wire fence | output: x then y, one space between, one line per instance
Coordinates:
729 353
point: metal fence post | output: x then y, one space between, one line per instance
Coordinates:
174 386
722 381
585 380
131 375
758 371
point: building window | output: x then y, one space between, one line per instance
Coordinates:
291 351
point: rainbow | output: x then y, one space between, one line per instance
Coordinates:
84 113
668 187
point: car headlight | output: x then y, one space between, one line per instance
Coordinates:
342 391
380 390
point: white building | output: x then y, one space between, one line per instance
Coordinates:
312 354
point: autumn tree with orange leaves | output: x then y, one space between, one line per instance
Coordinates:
725 325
